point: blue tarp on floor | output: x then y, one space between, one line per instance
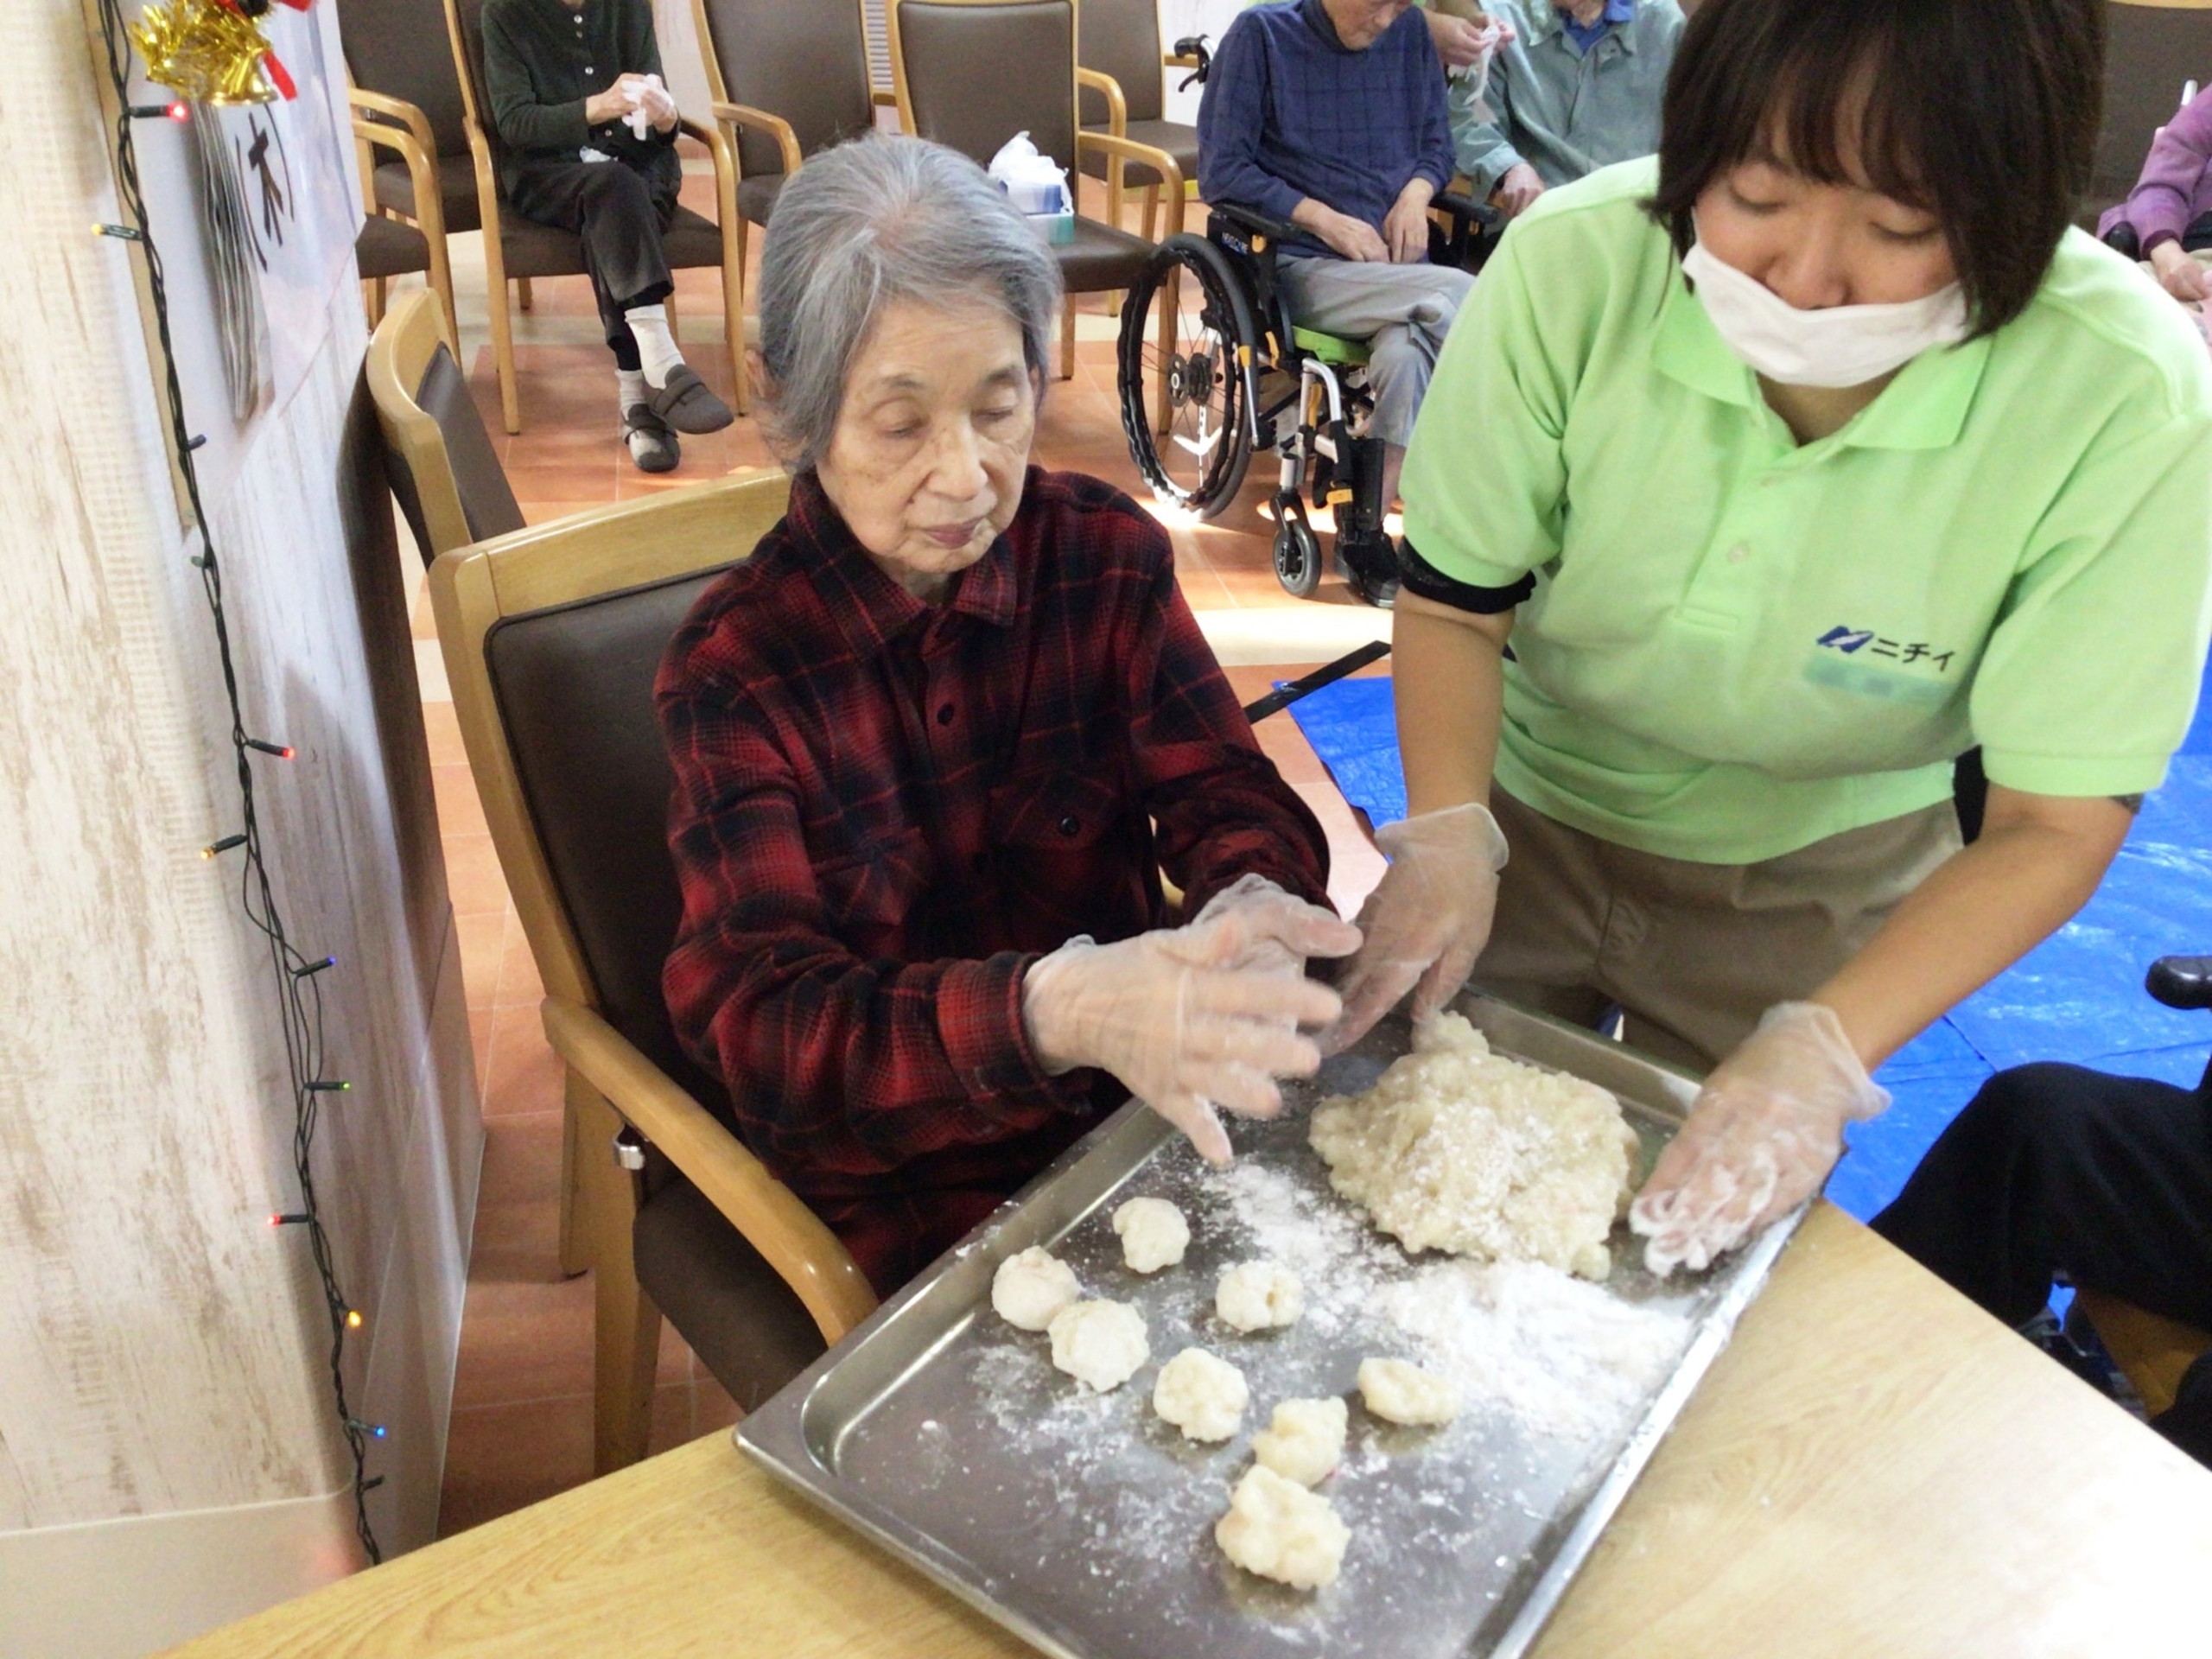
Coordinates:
2078 996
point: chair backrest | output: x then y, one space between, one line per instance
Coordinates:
401 49
2150 50
1121 38
465 37
807 63
971 73
443 468
552 637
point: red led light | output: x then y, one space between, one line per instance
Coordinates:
179 111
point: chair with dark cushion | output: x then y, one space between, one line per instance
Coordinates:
787 81
514 246
387 245
398 49
2150 52
448 477
1121 44
951 61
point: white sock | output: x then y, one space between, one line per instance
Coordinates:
630 388
656 346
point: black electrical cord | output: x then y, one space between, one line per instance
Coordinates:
297 980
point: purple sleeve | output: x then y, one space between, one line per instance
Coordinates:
2175 187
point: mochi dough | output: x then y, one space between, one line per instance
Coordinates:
1278 1530
1153 1234
1254 1295
1029 1289
1401 1392
1304 1441
1099 1344
1202 1396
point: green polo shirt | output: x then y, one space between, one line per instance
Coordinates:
1738 645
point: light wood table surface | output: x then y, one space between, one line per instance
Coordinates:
1873 1470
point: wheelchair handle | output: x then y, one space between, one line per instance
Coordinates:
2181 981
1194 46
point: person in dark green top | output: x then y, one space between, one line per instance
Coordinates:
588 135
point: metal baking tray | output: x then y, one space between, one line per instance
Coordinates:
1084 1524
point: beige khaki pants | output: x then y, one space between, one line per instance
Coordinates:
1692 953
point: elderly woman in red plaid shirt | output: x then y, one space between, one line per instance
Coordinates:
936 739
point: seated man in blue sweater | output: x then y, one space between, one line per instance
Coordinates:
1331 113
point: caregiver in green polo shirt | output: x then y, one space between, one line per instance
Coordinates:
1793 464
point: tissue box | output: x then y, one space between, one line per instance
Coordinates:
1058 229
1046 204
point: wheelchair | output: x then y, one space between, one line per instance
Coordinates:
1213 369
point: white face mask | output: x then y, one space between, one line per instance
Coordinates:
1841 345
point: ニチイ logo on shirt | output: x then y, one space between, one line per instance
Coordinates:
1865 643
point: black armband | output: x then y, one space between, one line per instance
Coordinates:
1417 576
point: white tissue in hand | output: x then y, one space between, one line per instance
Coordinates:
1153 1234
1401 1392
638 121
1029 1289
1202 1396
1099 1344
1304 1441
1254 1295
1278 1530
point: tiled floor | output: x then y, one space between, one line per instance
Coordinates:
521 1426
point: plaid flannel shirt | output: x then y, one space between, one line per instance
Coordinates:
885 811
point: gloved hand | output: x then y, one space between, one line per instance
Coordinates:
1427 921
1192 1017
1764 1132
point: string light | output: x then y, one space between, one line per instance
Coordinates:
319 1087
177 111
298 988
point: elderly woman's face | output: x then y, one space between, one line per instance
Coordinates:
926 462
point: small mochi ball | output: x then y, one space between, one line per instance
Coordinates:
1278 1530
1153 1234
1401 1392
1099 1344
1304 1441
1255 1295
1202 1396
1029 1289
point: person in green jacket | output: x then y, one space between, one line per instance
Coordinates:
1794 463
587 134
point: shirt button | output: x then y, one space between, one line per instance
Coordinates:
944 714
1739 553
1069 825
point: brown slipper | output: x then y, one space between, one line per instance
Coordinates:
686 403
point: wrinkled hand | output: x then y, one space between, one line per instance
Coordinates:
1427 921
1405 227
1520 187
1457 40
1189 1017
612 104
2179 274
1765 1130
658 107
1355 239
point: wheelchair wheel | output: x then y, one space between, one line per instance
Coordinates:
1298 556
1181 384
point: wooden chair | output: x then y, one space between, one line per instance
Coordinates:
787 80
950 62
2153 1350
1123 96
391 245
514 246
2151 49
551 637
397 50
448 477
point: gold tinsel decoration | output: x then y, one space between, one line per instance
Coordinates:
204 51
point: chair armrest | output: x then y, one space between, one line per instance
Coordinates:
788 1234
1158 160
407 115
429 204
1117 107
786 137
1465 208
1252 221
1173 61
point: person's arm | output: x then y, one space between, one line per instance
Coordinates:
1435 165
831 1059
1231 117
642 58
1451 666
521 121
2158 208
1479 123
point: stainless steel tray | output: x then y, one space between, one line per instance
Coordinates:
1084 1524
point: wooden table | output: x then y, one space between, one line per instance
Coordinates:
1874 1470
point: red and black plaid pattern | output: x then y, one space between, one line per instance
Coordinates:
885 811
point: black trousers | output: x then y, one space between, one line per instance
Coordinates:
619 212
2056 1169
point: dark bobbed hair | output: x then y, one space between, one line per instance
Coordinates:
1983 112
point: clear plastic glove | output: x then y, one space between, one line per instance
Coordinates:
1427 921
1194 1017
1766 1129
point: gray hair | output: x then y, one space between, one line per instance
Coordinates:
879 219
